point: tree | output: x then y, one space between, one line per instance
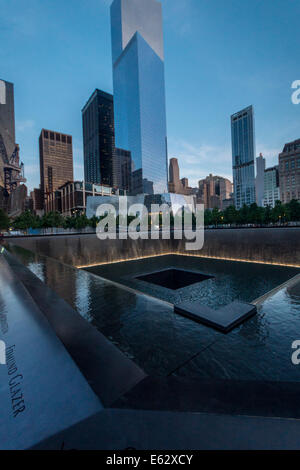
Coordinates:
4 220
26 220
293 209
52 219
279 212
230 215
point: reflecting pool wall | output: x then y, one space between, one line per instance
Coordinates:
275 245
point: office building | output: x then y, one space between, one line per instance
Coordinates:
56 160
289 172
271 186
177 185
139 91
213 190
99 138
259 180
71 198
243 152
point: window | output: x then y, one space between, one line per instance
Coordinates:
51 135
57 136
46 135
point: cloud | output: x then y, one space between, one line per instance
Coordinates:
197 162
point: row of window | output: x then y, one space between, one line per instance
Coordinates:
290 165
58 137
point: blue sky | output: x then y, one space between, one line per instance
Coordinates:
220 56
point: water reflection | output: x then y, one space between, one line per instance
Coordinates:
162 343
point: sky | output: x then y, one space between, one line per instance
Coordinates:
220 56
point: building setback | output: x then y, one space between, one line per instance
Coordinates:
243 152
289 172
139 91
99 139
56 160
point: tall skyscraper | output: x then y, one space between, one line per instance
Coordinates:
289 172
139 91
259 180
11 171
56 160
99 138
243 155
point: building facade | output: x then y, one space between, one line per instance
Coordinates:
139 91
271 187
213 190
11 170
289 172
56 160
243 155
177 185
71 198
99 138
259 180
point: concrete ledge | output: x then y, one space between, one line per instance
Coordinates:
225 319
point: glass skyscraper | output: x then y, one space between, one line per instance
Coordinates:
243 157
139 91
98 138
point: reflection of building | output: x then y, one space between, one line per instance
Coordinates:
56 160
11 170
289 172
213 190
139 91
259 180
243 152
271 187
122 169
98 138
177 185
70 198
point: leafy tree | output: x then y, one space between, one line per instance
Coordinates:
93 222
278 212
230 215
293 209
4 220
52 219
26 220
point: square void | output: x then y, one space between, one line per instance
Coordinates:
174 278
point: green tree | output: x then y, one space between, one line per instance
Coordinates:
293 209
52 219
4 220
279 212
25 221
230 215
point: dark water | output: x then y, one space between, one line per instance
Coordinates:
230 280
163 343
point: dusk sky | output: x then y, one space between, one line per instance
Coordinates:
220 56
